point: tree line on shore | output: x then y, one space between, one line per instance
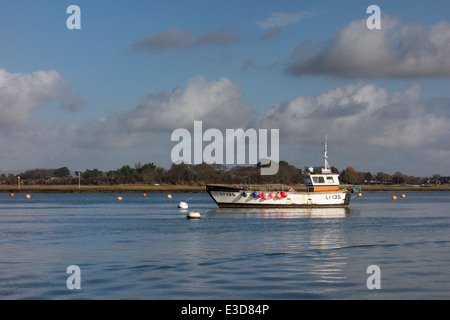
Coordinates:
201 174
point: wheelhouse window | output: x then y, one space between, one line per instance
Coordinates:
308 180
318 180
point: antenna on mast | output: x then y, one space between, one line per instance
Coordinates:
326 169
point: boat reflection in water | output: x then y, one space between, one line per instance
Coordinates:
315 245
291 213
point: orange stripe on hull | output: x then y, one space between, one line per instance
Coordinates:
326 189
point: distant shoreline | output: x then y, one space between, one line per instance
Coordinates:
182 188
100 189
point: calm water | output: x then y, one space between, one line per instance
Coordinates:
145 248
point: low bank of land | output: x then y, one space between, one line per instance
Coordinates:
184 188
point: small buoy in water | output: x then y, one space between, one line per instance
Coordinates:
403 196
169 196
193 215
144 194
28 196
394 198
11 195
183 205
119 198
359 194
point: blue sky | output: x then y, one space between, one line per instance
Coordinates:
103 96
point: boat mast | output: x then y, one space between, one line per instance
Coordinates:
326 169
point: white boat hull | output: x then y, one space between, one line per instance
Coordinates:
228 197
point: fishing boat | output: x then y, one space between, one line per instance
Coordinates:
323 190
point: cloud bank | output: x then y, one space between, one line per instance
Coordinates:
22 93
22 137
217 103
362 114
410 51
358 116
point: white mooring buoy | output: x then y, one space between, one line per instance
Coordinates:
194 215
183 205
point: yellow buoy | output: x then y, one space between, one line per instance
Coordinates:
119 198
28 196
359 194
403 196
394 198
169 196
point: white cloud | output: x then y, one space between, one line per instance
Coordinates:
217 103
368 127
394 51
24 139
360 115
27 143
22 93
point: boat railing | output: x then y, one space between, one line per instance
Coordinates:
300 188
270 188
